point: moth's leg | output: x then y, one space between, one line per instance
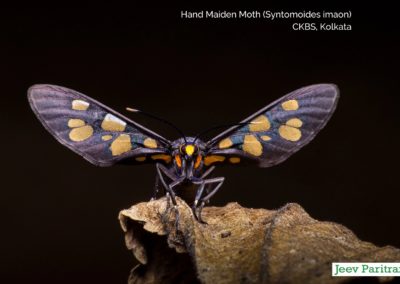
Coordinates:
207 172
172 194
166 171
200 181
157 186
208 189
199 193
171 197
218 181
171 186
161 169
200 208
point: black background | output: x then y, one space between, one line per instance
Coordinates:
60 213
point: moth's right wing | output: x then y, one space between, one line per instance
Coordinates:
97 133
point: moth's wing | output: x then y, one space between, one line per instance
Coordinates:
92 130
278 130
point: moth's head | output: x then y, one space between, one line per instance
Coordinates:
192 156
188 154
188 148
188 151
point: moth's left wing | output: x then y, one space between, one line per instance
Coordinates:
280 129
97 133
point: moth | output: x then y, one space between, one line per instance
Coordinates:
105 137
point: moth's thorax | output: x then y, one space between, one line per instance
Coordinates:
188 156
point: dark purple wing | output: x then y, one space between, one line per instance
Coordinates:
94 131
279 129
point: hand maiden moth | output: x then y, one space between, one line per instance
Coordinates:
105 137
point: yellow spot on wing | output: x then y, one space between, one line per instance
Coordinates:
81 133
150 143
80 105
290 105
234 160
140 159
260 123
189 150
225 143
121 144
208 160
113 123
252 146
72 123
289 133
294 122
166 158
106 137
265 138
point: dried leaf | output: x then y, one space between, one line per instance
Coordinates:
240 245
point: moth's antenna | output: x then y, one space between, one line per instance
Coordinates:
221 126
157 118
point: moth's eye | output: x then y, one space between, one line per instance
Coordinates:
181 149
198 161
178 161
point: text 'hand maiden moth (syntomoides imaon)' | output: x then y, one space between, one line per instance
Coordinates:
104 137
